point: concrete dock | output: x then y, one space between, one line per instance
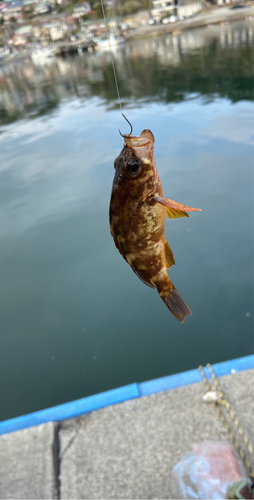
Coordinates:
125 450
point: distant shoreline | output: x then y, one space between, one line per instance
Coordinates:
213 16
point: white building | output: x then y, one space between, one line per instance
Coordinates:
162 8
81 9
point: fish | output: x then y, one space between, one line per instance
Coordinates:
137 218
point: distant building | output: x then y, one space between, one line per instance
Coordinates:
12 9
188 9
162 8
54 31
43 8
82 9
19 40
72 22
223 2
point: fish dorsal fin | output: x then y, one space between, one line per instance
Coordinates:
142 276
172 213
170 260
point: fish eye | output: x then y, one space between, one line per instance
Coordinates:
134 167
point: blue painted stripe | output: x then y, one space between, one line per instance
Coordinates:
86 405
170 382
193 376
232 366
72 409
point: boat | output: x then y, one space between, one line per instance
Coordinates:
108 43
41 54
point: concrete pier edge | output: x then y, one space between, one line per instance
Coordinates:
86 405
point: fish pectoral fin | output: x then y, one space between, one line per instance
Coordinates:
171 204
143 277
170 260
172 213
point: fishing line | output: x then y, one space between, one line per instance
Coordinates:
114 19
115 27
111 55
118 3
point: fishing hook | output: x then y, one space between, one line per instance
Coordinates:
130 126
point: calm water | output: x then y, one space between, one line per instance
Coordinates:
75 320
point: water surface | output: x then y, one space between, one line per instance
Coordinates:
75 320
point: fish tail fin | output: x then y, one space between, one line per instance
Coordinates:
174 301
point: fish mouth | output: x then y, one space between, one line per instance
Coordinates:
146 138
142 146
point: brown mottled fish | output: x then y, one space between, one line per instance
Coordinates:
137 217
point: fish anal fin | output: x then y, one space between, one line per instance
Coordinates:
143 277
172 213
173 204
170 260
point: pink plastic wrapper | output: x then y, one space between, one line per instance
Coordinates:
207 471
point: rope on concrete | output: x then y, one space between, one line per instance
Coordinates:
221 400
